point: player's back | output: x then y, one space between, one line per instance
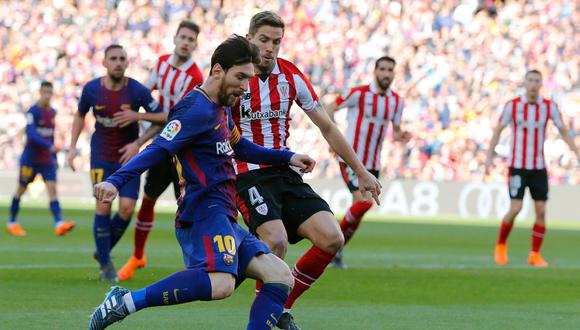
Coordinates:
41 123
108 137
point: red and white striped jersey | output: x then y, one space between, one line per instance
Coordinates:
528 122
368 117
262 114
173 82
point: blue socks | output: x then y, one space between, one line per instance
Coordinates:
14 208
102 234
56 211
178 288
268 306
118 227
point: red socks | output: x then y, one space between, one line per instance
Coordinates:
351 220
143 226
307 270
504 232
538 233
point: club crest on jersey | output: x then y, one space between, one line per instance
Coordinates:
125 107
171 130
262 209
284 90
224 148
228 259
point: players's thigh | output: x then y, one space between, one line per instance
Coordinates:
323 231
269 269
126 207
222 285
274 234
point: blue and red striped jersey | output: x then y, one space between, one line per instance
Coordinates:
39 136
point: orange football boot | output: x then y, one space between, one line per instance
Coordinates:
64 227
501 255
15 229
536 260
126 272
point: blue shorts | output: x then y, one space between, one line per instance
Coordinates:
28 172
101 170
218 244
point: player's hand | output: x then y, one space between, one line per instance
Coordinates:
125 118
70 158
368 184
403 136
128 151
54 149
105 192
305 163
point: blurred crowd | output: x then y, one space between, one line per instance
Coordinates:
458 63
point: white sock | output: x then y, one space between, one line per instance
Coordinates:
129 303
56 224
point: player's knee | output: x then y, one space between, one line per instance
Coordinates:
516 208
222 287
278 272
333 243
126 212
278 244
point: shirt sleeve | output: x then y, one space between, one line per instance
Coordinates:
555 114
306 97
349 99
151 81
506 115
32 134
84 102
183 126
398 111
147 102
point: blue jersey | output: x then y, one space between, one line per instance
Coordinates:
203 140
108 137
39 136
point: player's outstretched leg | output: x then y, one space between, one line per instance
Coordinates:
501 250
538 233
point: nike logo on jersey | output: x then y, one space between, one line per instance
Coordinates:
99 107
217 126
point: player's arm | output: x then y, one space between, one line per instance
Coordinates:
559 122
247 151
494 141
107 191
153 110
77 127
33 135
332 135
399 135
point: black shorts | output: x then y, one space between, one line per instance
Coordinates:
536 180
277 193
159 177
350 179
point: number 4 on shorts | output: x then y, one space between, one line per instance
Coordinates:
255 197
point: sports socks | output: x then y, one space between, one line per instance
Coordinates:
118 227
504 232
14 208
178 288
102 235
143 225
538 233
351 220
56 212
306 271
268 306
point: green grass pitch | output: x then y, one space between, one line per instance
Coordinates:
400 276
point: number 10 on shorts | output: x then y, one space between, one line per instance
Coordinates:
225 243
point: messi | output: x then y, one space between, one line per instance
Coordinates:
224 147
